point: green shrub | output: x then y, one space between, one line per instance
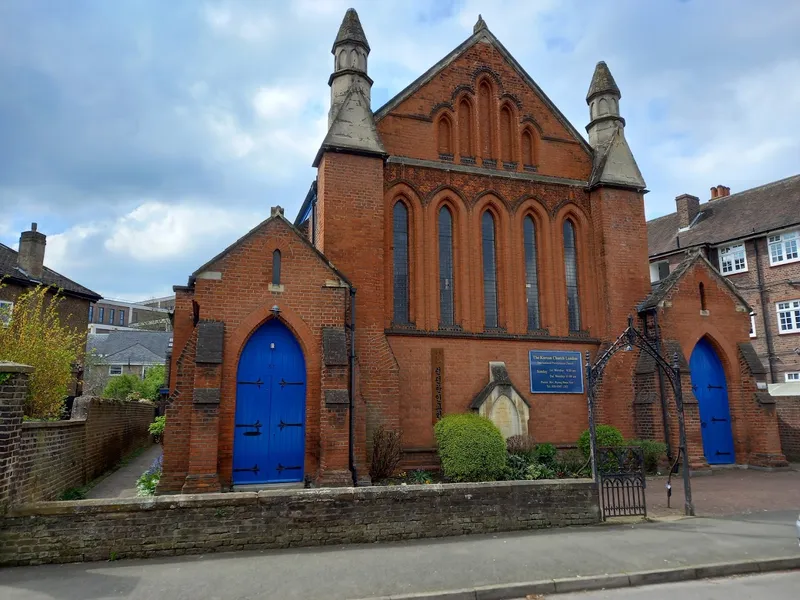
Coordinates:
653 453
420 477
156 428
153 381
545 454
121 386
607 435
516 467
539 471
471 447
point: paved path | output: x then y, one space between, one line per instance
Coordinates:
774 586
367 571
728 492
122 482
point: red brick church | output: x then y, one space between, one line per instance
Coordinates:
456 244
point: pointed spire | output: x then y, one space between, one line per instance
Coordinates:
351 31
481 24
602 82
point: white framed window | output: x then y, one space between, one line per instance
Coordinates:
784 248
6 308
115 370
752 325
792 377
732 259
789 316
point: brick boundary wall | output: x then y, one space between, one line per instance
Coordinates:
88 530
41 459
788 408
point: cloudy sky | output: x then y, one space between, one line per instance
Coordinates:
144 136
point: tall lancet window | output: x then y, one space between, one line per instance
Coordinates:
571 272
531 274
276 267
489 271
400 263
447 316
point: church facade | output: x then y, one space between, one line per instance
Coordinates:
451 237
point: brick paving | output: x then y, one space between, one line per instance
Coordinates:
728 492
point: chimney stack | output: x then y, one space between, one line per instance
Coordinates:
688 207
720 191
31 252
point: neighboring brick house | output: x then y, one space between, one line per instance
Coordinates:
23 270
452 239
123 352
753 239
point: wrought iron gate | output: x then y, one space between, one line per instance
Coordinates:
622 481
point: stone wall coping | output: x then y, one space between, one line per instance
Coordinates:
171 502
50 424
12 367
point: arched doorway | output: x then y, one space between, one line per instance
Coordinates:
269 432
711 390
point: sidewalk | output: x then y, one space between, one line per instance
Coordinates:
122 482
354 572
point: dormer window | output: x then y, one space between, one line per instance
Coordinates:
732 259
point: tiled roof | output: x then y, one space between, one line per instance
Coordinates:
759 210
136 347
8 268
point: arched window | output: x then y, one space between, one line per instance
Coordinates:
400 262
489 271
276 267
445 136
447 316
702 297
465 128
531 274
506 129
485 120
571 272
527 149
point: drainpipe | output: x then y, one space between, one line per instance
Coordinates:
661 392
351 440
763 295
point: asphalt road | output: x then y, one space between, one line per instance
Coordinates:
773 586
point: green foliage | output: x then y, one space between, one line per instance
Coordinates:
520 467
571 463
653 453
156 428
607 435
4 377
121 386
471 447
540 471
73 493
153 381
545 454
147 482
36 336
420 477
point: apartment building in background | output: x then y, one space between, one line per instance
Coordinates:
108 315
752 238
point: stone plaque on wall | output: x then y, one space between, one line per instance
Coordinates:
437 382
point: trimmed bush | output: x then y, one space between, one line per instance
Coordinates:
607 435
471 448
545 454
121 386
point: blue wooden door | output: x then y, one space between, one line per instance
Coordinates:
269 433
711 391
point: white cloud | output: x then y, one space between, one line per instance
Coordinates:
157 230
237 21
280 102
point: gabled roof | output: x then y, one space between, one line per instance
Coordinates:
9 269
663 287
130 347
481 33
759 210
277 214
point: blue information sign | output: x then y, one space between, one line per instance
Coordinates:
556 372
